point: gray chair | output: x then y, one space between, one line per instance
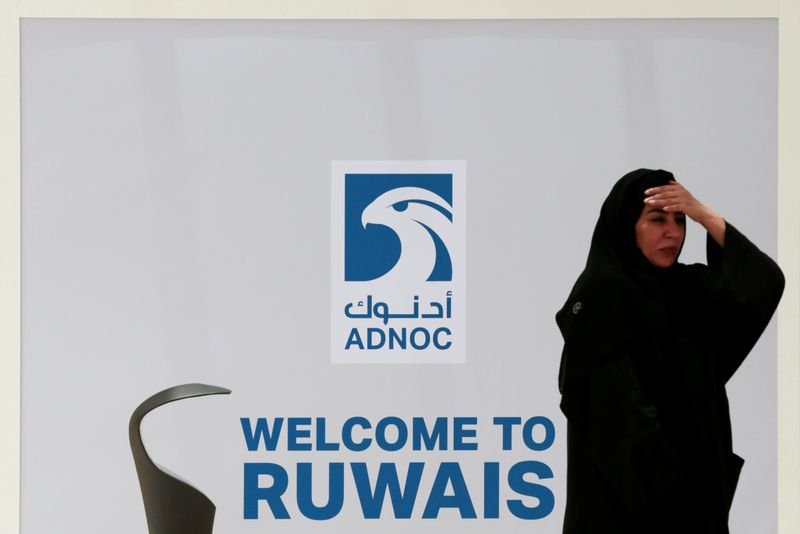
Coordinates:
172 506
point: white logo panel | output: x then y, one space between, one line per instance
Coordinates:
398 280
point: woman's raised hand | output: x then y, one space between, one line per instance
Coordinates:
674 197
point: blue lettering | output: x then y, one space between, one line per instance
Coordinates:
347 434
380 433
449 472
426 337
381 338
400 338
491 490
438 344
253 438
372 500
354 339
294 433
517 482
507 423
419 338
459 433
323 445
549 433
419 433
335 492
253 493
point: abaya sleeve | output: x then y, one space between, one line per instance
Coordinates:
610 417
744 287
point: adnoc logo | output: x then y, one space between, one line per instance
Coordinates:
398 227
398 248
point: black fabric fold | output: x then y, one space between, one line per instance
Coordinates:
647 353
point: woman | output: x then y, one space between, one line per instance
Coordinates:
649 344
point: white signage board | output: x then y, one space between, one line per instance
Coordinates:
180 188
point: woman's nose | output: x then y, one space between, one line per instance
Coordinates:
673 229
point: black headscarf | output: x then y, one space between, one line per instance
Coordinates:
647 353
614 239
619 287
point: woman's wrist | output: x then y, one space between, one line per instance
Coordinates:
714 225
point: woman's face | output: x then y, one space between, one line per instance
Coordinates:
659 235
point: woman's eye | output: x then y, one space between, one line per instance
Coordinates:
658 219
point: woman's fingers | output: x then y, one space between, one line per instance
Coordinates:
659 188
674 197
672 190
664 199
663 202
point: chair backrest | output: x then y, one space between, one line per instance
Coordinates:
172 506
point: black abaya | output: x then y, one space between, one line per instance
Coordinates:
647 353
